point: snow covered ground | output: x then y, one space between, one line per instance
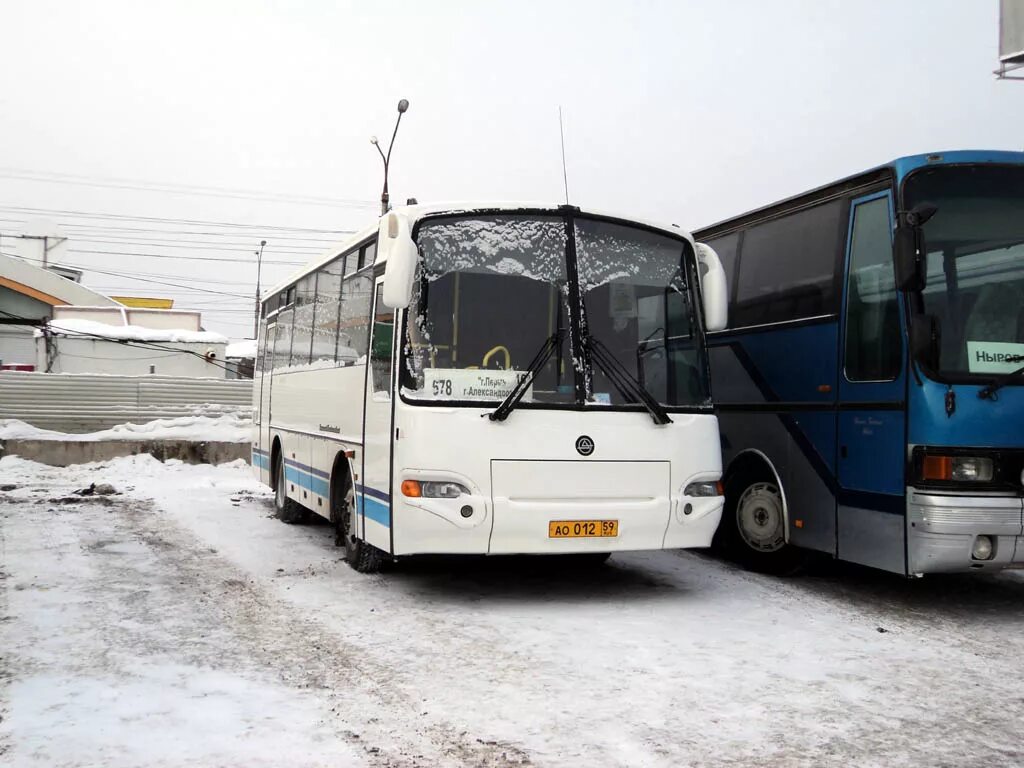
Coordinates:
180 624
222 424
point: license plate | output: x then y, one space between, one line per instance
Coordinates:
576 529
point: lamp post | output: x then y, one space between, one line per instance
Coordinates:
403 105
259 269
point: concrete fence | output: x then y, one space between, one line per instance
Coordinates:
87 403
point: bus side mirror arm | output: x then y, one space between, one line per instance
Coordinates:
714 288
395 244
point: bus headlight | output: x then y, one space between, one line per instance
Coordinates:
962 469
704 488
441 490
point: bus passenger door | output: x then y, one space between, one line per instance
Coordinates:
374 487
265 366
870 510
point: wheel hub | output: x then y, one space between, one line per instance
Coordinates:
760 518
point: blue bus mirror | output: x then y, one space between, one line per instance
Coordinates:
909 248
714 288
395 244
909 267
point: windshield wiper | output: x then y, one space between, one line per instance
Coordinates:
553 342
997 384
625 382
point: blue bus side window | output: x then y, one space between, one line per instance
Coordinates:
872 317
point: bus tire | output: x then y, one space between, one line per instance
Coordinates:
361 556
288 510
753 525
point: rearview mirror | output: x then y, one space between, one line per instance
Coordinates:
910 249
909 264
714 288
396 246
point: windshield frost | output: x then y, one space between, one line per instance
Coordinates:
492 291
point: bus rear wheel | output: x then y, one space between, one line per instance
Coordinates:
754 526
288 510
361 556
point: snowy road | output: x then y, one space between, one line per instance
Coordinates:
196 630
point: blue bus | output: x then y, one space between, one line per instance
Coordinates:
869 385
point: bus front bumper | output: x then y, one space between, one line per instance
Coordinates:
942 530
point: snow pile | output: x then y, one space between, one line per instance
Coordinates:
91 328
243 348
230 427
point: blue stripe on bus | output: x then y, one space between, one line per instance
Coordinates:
305 480
375 510
306 468
375 504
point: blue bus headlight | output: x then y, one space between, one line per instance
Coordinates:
957 469
972 469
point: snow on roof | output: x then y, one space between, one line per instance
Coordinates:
243 348
49 284
93 329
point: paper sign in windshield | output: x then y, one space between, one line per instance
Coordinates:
994 356
470 383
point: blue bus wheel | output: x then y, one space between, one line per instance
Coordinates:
753 529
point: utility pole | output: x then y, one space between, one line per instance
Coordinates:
403 105
259 267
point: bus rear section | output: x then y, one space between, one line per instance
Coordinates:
868 387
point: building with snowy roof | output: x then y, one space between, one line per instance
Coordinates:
130 342
28 295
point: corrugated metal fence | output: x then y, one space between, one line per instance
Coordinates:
86 403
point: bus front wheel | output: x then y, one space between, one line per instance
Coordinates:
362 557
754 525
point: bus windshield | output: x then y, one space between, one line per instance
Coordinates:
975 275
492 290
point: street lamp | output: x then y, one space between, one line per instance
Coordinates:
403 105
259 268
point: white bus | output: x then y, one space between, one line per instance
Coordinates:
495 379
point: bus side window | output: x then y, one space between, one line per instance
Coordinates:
787 267
381 343
872 319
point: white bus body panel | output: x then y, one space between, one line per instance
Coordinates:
525 472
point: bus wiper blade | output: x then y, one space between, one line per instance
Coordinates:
539 361
625 382
997 384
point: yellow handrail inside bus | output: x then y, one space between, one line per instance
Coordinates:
494 351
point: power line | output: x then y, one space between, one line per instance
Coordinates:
199 245
48 177
185 258
157 219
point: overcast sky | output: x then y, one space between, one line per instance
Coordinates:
686 112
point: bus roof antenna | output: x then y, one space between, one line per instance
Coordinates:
561 133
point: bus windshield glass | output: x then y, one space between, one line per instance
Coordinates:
975 267
493 291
